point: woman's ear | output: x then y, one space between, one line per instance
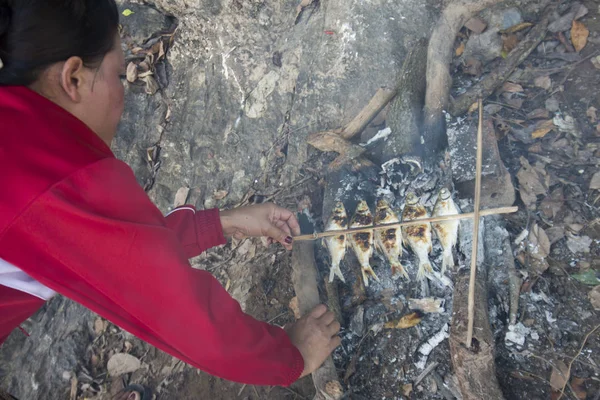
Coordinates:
72 78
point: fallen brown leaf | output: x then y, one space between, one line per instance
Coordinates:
151 85
99 326
473 108
531 183
578 385
552 204
591 114
509 42
542 128
408 321
407 389
517 28
559 377
511 87
475 25
122 363
473 66
579 35
543 82
460 49
539 244
594 296
132 73
181 196
539 113
220 194
596 61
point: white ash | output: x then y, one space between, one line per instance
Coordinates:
549 317
382 134
517 334
426 348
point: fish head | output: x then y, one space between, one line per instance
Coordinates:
382 204
363 208
412 199
445 194
339 210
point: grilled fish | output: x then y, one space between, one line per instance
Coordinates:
337 244
362 242
389 241
418 237
447 231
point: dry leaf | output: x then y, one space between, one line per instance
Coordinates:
543 82
509 42
460 50
579 35
517 28
595 182
539 244
578 386
122 363
294 307
132 73
512 87
220 194
99 326
408 321
591 114
559 377
474 107
161 50
539 113
74 382
594 297
596 62
151 85
407 390
181 196
476 25
531 183
473 66
552 204
542 128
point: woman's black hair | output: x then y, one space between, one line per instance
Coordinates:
35 34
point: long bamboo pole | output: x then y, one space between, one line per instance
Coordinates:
491 211
471 303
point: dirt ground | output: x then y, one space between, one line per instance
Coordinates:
548 134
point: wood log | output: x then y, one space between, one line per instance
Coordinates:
439 57
494 79
474 367
359 123
304 279
405 116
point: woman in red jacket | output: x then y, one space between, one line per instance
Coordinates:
74 221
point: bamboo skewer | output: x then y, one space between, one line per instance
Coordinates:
471 303
491 211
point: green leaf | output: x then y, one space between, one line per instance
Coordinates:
588 277
127 12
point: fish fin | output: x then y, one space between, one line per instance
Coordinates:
397 268
424 269
447 260
369 270
365 277
336 271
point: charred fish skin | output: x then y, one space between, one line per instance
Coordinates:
389 241
418 237
447 231
362 242
338 221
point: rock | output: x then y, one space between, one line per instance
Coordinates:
564 23
144 22
547 47
485 46
357 324
497 189
552 105
511 17
122 363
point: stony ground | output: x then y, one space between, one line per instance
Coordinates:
222 121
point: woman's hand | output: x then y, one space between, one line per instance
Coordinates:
261 220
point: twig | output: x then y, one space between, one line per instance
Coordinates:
241 390
280 315
425 372
562 392
420 221
256 392
471 307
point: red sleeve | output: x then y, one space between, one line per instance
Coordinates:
197 231
97 239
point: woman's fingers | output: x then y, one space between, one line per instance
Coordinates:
328 318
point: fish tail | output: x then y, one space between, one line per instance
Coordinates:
424 269
398 269
336 271
368 270
447 260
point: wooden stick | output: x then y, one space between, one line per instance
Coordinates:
491 211
471 304
366 115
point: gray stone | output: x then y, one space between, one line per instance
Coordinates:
485 46
547 47
552 105
511 17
